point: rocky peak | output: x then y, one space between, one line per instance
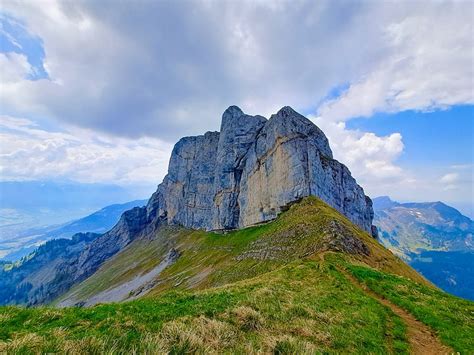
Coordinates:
383 202
248 172
286 111
288 124
244 175
231 114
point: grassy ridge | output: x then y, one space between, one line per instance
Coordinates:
450 316
261 289
305 306
214 259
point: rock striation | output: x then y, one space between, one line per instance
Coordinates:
250 170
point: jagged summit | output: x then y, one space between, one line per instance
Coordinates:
232 112
286 111
250 170
237 123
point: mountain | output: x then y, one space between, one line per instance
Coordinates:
256 241
309 282
242 176
411 227
383 202
29 205
97 222
24 283
246 173
436 239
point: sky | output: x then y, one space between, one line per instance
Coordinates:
99 91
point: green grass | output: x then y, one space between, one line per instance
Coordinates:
261 289
214 259
451 317
305 306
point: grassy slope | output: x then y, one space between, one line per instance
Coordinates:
263 288
451 316
213 259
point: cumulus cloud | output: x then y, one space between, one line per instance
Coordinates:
371 158
428 66
28 151
165 68
15 68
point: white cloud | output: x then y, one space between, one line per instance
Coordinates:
371 158
428 65
459 182
449 178
449 181
30 152
168 69
15 68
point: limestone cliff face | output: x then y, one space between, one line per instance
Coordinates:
242 176
238 134
253 168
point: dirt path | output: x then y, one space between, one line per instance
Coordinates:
421 338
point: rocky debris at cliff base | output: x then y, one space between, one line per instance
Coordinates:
129 290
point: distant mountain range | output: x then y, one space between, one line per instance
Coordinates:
434 238
27 205
98 222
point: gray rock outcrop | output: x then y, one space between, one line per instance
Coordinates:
253 168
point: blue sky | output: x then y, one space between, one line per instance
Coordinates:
98 93
15 38
436 143
440 138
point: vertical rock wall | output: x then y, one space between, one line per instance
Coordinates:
246 173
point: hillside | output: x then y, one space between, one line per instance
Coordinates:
36 277
434 238
15 246
23 282
411 227
310 281
449 270
207 259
